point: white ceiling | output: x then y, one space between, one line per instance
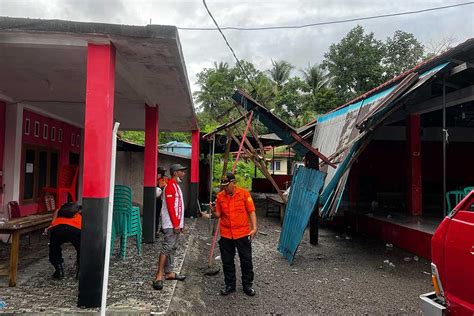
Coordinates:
47 70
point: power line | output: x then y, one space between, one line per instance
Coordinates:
320 23
230 47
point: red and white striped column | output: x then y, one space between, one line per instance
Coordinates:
99 111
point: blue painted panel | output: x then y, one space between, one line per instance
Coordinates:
304 194
372 98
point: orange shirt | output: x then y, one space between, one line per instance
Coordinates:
234 211
75 221
162 182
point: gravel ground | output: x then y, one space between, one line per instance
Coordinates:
342 275
130 287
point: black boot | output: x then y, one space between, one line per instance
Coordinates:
59 273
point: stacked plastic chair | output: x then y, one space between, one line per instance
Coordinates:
458 195
126 220
468 190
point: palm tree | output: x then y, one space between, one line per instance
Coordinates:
222 65
316 78
280 73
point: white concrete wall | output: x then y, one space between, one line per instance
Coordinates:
12 158
129 171
12 154
283 166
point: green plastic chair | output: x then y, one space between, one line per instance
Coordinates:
126 220
458 196
468 190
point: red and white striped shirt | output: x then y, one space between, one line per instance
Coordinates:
172 211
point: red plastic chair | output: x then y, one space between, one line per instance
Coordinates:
13 210
67 183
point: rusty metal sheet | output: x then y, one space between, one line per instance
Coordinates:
348 135
304 194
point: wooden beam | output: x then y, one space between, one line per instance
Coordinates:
225 126
460 68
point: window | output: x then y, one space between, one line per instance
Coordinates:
45 131
60 135
37 129
39 170
73 139
53 133
78 140
276 165
27 126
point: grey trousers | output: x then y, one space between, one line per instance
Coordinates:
170 244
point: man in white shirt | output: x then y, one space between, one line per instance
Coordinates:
172 221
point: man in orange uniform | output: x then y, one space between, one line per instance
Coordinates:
66 227
238 225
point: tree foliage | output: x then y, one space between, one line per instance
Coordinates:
360 62
402 52
355 63
138 137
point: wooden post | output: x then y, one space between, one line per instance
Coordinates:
226 154
312 161
414 161
14 253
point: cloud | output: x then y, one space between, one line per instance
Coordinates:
299 47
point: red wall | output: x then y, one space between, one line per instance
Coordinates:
70 143
264 185
385 163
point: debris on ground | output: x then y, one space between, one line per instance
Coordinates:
263 233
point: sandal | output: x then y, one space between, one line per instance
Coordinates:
158 284
177 276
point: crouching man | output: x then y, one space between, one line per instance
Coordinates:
66 227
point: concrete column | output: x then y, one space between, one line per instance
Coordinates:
150 176
194 187
414 149
12 156
99 112
2 146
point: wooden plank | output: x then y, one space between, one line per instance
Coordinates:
225 126
25 222
226 154
251 153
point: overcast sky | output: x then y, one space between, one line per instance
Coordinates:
299 47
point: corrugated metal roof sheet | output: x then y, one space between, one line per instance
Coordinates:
336 133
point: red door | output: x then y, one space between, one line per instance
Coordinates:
459 259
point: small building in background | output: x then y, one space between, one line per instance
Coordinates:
176 147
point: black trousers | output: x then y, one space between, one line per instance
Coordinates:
59 235
244 248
